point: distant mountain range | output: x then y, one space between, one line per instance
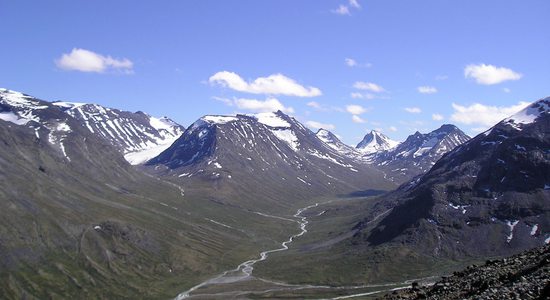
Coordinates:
375 142
418 153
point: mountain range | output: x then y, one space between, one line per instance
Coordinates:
488 197
103 203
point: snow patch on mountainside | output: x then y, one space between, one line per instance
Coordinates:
529 114
287 136
13 118
58 134
271 120
19 100
67 105
142 156
219 119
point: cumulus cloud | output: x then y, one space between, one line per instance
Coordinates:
276 84
392 128
356 109
357 119
489 74
368 86
350 62
485 115
413 110
319 125
268 105
88 61
427 89
255 105
437 117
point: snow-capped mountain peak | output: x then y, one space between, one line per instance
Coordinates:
137 136
327 136
273 119
229 147
529 114
419 152
341 148
374 142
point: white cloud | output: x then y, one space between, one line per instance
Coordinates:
342 10
276 84
437 117
392 128
319 125
427 90
489 74
350 62
368 86
485 115
354 4
413 110
87 61
356 109
357 119
254 105
506 90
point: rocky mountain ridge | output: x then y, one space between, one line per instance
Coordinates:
137 136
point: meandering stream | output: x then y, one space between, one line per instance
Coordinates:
244 270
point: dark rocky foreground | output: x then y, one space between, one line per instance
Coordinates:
523 276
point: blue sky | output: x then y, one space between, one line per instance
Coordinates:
352 66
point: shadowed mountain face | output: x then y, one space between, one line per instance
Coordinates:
489 196
418 153
269 154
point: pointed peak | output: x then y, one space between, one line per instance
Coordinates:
323 131
327 135
446 128
375 141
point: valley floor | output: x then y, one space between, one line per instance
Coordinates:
242 282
